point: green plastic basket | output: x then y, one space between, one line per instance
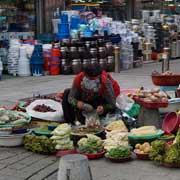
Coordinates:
9 125
157 135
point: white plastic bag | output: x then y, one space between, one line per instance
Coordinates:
91 119
50 116
124 102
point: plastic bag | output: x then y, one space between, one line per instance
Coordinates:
49 116
110 118
124 102
134 111
92 119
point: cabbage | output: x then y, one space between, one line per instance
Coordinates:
92 144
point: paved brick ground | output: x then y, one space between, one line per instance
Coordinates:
18 164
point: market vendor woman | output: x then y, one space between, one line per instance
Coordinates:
92 90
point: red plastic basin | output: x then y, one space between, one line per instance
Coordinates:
171 122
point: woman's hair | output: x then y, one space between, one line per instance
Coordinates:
93 70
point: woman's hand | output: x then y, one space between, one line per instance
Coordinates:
100 110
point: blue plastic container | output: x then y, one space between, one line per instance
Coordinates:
63 28
37 69
62 36
75 20
36 60
64 18
38 47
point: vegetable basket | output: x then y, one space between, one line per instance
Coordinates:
61 153
77 136
144 156
166 80
118 160
171 165
17 124
93 156
133 140
150 105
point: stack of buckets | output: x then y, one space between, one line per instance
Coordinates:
37 61
63 28
23 63
55 62
75 21
47 59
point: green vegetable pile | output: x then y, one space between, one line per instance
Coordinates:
119 152
172 155
162 152
92 144
12 117
39 144
157 150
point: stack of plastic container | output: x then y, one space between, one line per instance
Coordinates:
126 56
63 28
23 64
75 21
55 62
37 61
3 56
47 58
13 57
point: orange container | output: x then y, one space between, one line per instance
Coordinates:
46 63
54 65
56 52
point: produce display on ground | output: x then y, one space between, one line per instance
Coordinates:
143 148
86 130
92 144
151 96
39 144
144 130
10 118
119 154
115 138
43 108
166 153
117 125
61 137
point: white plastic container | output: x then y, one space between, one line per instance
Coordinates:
24 64
126 65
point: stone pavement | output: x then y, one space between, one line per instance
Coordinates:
18 164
